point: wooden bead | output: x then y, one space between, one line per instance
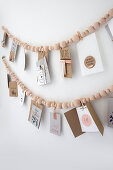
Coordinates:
77 103
48 104
70 40
72 104
96 25
102 21
75 38
37 49
63 44
106 16
91 29
92 98
103 93
86 32
28 92
64 105
51 48
110 12
83 34
46 48
97 96
59 105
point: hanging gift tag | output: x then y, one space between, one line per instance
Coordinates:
110 112
13 52
89 55
21 95
73 121
8 79
109 28
13 89
89 121
4 40
43 76
55 123
35 114
65 59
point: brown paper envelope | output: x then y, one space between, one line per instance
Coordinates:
73 120
13 89
11 57
95 118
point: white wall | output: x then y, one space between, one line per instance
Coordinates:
22 146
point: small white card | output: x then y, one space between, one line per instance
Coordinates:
86 121
55 123
109 28
43 76
21 95
110 112
13 52
89 55
35 114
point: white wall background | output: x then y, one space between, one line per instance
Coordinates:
22 146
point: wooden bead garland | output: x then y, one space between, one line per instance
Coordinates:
58 105
76 38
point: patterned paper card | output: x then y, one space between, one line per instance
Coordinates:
110 112
35 114
55 123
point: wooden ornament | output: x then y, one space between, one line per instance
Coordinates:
89 62
66 58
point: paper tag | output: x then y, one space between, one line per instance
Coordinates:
86 121
89 55
109 28
64 57
35 114
42 72
13 89
55 123
4 40
110 112
73 121
13 52
21 95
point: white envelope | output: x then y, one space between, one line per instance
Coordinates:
89 47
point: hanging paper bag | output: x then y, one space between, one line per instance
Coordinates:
35 114
13 89
43 76
13 52
65 59
89 55
55 123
